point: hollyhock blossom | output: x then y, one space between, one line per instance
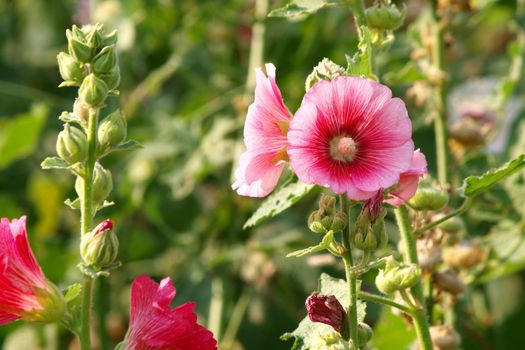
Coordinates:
25 293
409 180
267 122
351 136
154 325
325 309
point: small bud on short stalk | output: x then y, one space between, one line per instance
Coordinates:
112 78
79 50
428 198
70 69
105 60
99 247
72 144
397 276
102 184
93 90
112 130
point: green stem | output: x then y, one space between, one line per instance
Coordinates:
351 278
358 9
410 256
384 300
236 318
86 221
439 99
460 210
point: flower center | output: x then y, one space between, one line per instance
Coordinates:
343 149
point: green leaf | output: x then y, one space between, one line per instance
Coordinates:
283 198
129 145
475 185
72 292
73 204
19 135
361 63
307 334
391 329
54 163
305 7
325 243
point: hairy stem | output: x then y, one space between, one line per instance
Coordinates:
358 9
351 278
86 221
439 99
410 256
379 299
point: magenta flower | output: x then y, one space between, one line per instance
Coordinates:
409 180
351 136
154 325
325 309
267 122
25 293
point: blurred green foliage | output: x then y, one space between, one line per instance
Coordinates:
184 65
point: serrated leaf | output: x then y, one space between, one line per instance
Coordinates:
361 63
307 334
72 292
305 7
54 163
283 198
324 244
475 185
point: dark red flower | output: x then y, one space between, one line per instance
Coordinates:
325 309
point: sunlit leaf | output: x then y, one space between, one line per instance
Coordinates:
305 7
474 185
283 198
325 243
54 163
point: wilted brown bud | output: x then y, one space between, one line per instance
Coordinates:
449 281
429 253
444 337
464 255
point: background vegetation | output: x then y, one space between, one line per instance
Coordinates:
184 68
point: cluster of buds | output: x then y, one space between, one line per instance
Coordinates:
369 233
325 70
327 217
396 276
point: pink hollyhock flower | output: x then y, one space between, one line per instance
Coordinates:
409 180
25 293
267 122
325 309
154 325
351 136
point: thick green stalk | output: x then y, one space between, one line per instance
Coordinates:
351 277
358 9
439 100
419 315
86 221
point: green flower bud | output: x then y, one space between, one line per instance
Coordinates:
327 203
93 90
99 247
112 130
104 60
339 222
72 144
52 302
112 79
397 276
94 36
110 39
79 50
314 222
386 17
70 69
325 70
370 236
364 334
428 198
102 184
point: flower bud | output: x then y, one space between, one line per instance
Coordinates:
93 35
326 309
444 337
99 247
339 221
449 282
397 276
52 303
105 60
327 203
464 255
364 334
429 253
112 130
70 69
93 90
387 17
325 70
428 198
72 144
314 222
368 235
112 79
79 50
102 184
110 39
81 110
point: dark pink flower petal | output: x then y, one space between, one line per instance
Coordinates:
409 180
325 309
154 325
